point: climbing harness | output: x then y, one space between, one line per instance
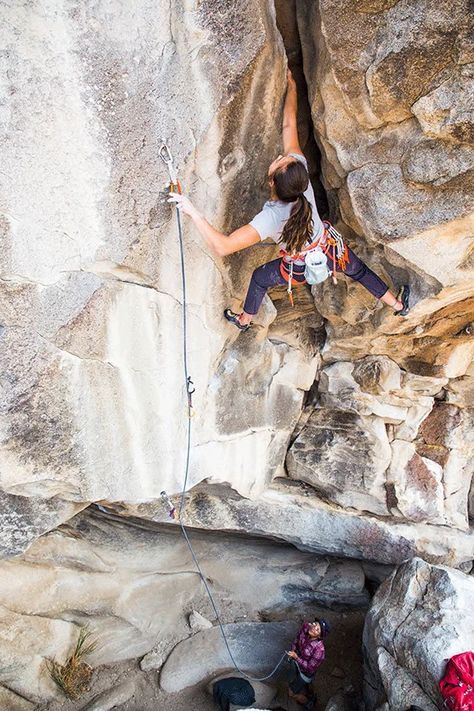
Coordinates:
175 186
317 253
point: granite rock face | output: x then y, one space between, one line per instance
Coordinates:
334 426
419 617
90 294
379 441
23 519
91 268
291 513
343 457
390 87
257 648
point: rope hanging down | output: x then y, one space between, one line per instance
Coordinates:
175 186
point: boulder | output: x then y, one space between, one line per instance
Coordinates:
419 617
256 648
197 622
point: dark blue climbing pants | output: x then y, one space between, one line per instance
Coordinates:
269 275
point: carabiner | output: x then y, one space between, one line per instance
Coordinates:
165 154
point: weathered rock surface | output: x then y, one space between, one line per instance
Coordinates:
134 587
12 702
419 617
90 266
379 441
393 116
290 513
343 701
256 647
23 519
344 457
378 466
198 622
89 416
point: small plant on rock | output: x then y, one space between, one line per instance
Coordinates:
73 677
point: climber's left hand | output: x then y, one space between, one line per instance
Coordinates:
184 204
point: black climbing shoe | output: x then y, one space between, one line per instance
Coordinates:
234 318
404 297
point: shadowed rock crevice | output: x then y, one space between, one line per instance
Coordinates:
287 23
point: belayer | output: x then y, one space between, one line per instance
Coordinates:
306 655
290 217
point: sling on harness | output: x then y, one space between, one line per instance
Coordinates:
330 240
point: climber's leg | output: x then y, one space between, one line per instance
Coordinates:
359 271
263 278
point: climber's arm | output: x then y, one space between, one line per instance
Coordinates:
221 244
291 143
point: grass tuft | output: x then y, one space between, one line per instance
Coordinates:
73 677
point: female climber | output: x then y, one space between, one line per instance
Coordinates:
306 655
290 218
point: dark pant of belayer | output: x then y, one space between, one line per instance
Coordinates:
296 680
269 275
233 690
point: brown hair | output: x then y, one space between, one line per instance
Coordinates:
290 182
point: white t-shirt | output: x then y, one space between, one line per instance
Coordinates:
271 220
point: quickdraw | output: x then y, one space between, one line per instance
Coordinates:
167 503
174 185
190 389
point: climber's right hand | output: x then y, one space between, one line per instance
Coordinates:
291 84
184 204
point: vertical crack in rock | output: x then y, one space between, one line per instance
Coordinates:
288 26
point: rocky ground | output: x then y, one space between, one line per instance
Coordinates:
342 671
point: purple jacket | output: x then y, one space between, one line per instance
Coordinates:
310 651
